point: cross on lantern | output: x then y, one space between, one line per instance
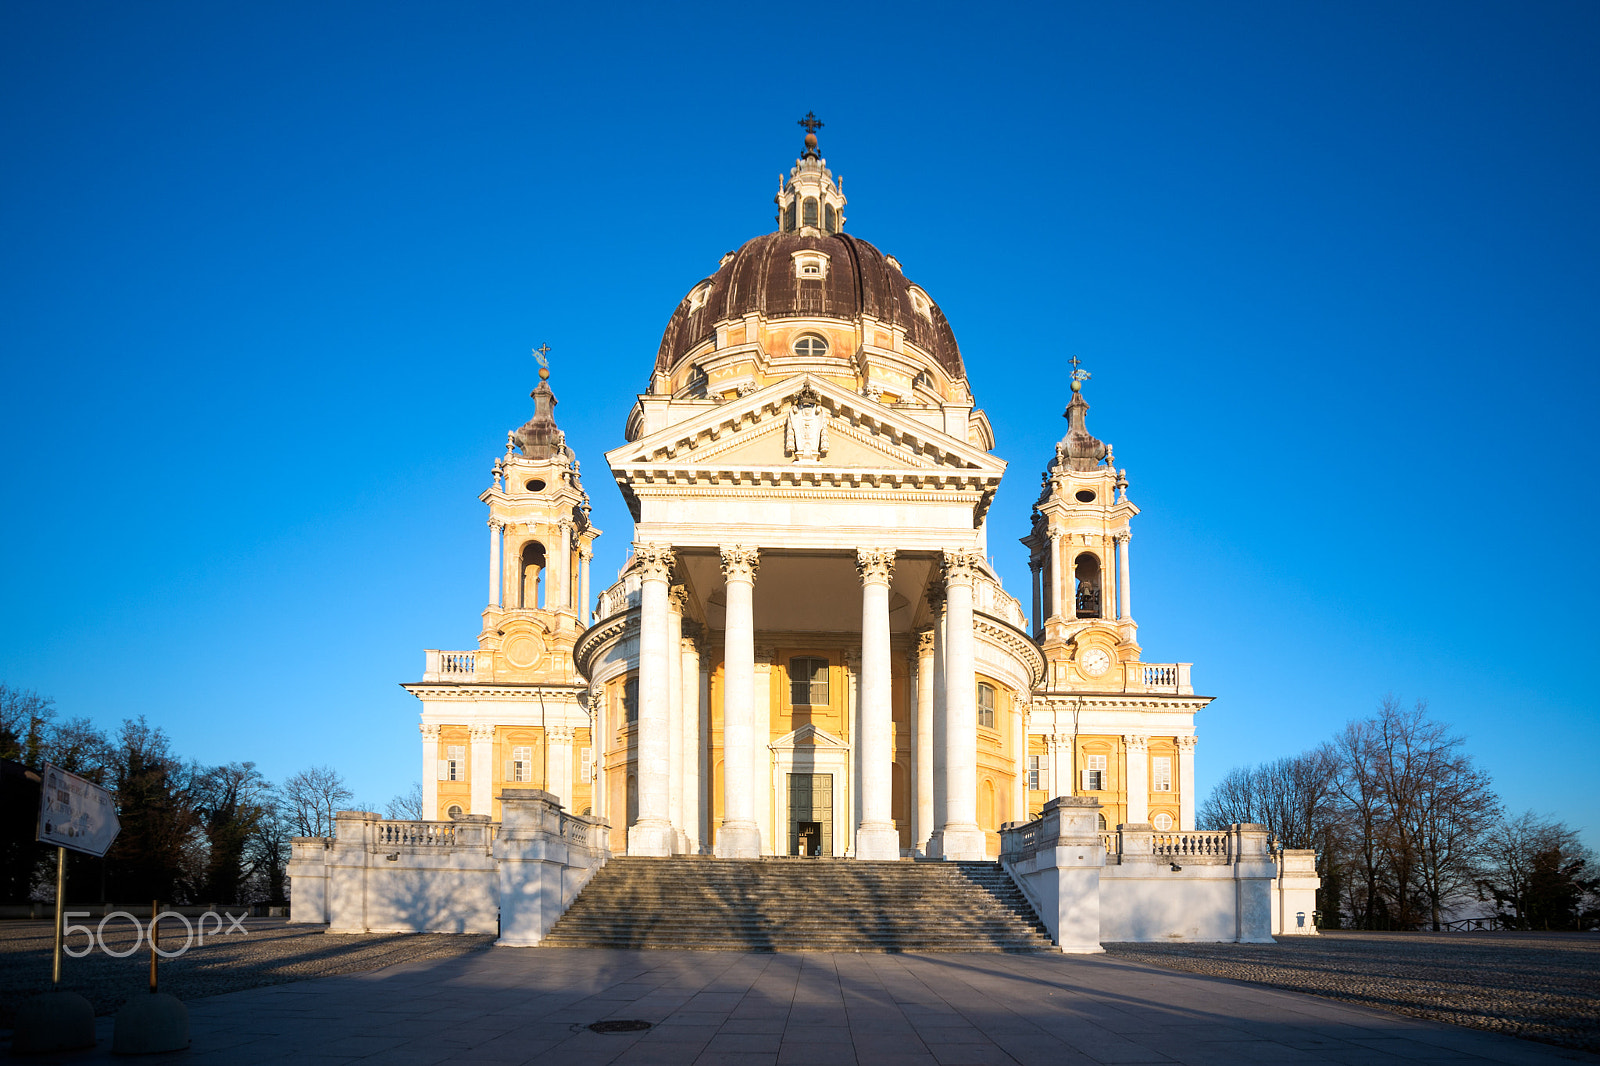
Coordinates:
1077 374
540 352
811 122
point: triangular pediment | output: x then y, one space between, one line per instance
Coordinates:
848 432
808 736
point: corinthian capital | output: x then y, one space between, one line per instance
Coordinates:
497 523
1136 741
430 731
1188 743
654 560
924 642
740 562
959 567
875 565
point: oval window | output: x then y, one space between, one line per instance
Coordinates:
1085 495
535 485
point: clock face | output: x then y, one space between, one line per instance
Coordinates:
1095 662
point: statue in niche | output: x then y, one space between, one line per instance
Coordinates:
806 435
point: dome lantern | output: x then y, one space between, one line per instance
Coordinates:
810 201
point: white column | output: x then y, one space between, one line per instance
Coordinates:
430 772
675 751
599 742
496 530
559 593
1019 801
1137 779
962 839
1186 783
924 775
941 776
876 835
689 722
762 763
585 606
1122 576
739 837
482 772
558 763
1036 620
1056 579
652 833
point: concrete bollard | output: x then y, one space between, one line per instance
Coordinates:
54 1021
149 1023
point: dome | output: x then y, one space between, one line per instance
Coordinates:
771 275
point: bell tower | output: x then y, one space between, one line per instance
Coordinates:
1082 607
540 544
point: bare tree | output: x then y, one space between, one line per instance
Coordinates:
407 806
1538 874
312 796
1292 797
1361 800
24 722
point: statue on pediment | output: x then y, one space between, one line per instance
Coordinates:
806 435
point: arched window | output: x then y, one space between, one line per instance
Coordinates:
698 384
533 563
1100 822
1086 568
986 705
788 218
830 219
925 379
986 820
808 212
810 346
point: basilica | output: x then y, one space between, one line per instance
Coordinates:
808 651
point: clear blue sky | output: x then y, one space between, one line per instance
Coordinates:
272 272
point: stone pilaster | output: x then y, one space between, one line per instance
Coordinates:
430 771
482 771
924 767
1186 783
558 762
1137 778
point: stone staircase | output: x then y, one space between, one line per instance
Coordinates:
794 904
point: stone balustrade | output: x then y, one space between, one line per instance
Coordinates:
620 597
1136 884
451 665
1170 678
990 599
467 875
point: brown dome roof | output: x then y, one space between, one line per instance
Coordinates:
761 277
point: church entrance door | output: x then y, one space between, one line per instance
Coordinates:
810 814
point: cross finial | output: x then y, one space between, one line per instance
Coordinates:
540 353
811 122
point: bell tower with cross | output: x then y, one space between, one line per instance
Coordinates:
810 201
1079 554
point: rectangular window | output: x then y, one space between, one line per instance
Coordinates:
520 766
1161 773
586 765
1034 762
986 705
630 701
808 682
1094 773
453 767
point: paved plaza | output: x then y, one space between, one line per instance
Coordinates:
535 1005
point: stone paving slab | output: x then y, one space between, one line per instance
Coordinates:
516 1006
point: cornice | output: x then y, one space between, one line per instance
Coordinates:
469 691
602 633
1133 701
1013 640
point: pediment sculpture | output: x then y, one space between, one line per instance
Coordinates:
805 436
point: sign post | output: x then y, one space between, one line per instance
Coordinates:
78 814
